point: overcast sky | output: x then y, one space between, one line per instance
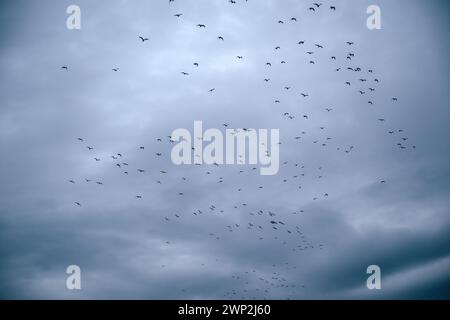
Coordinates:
338 217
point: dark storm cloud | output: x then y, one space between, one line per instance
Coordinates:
125 247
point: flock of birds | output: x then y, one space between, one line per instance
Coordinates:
257 223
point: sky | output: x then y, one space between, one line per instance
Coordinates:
349 194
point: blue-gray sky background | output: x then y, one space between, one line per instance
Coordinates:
125 247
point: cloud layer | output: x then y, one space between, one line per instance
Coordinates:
216 240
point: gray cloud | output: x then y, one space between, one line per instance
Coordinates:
126 248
